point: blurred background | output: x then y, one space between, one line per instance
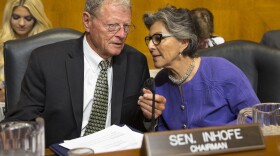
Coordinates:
233 19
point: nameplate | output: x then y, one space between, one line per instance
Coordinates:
202 141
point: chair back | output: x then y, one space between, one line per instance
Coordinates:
261 64
271 39
16 57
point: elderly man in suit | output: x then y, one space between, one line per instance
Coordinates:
61 78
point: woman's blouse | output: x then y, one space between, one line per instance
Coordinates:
212 97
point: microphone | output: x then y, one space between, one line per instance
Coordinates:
150 84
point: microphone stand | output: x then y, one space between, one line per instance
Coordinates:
150 84
153 124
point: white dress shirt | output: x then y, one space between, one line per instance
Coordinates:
91 72
215 40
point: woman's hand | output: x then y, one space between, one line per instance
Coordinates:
145 103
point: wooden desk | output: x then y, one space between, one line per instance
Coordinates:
272 148
48 152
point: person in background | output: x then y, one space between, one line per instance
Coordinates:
21 18
63 91
199 91
204 23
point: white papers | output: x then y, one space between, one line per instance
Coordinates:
113 138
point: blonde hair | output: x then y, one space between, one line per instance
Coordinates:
36 9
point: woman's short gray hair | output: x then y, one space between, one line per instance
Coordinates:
92 6
178 22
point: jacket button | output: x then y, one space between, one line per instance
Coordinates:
182 107
184 126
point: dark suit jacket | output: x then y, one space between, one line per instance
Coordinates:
271 38
53 88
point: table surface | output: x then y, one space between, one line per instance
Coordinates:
272 144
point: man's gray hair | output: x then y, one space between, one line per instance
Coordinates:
92 6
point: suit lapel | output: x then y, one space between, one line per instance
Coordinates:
75 73
119 74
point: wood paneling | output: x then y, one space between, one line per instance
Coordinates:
239 19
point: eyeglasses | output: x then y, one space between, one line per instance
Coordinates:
156 38
116 27
113 28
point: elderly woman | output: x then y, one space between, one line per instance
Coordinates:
200 91
21 18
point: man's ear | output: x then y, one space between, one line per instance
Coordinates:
86 17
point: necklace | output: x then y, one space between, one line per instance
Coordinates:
183 78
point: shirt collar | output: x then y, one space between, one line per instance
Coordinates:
91 55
